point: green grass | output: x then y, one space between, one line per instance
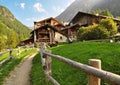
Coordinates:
108 53
7 55
8 66
4 56
37 75
14 53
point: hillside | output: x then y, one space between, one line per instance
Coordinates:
11 30
11 22
81 52
88 5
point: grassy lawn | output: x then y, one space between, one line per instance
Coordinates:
14 53
4 56
108 53
8 66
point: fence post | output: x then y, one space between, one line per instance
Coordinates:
19 50
46 61
10 54
93 80
26 48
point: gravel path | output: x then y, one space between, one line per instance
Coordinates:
20 75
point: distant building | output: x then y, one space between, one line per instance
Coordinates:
83 19
87 19
51 30
48 30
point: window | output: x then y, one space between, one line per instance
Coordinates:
61 38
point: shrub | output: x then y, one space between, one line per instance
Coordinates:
106 29
110 25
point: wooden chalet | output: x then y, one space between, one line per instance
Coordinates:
87 19
82 19
45 30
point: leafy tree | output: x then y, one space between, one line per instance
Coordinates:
93 32
110 25
2 42
12 39
105 29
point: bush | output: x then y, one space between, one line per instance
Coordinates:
110 25
106 29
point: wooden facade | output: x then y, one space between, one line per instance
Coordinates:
83 19
44 30
45 33
71 32
87 19
50 21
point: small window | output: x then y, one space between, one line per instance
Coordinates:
60 37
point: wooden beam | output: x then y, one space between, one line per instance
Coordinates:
52 79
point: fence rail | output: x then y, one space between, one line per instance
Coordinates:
10 51
46 56
1 53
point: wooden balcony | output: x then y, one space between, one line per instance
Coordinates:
44 39
44 32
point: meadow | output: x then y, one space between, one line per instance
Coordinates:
108 53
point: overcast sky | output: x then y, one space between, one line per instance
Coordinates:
28 11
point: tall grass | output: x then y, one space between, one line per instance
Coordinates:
108 53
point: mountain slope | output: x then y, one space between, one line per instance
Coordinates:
11 30
88 5
112 5
11 22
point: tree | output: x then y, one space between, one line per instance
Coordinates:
110 25
2 42
12 39
107 28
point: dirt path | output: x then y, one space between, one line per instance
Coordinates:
20 75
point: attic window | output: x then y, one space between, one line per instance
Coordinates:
61 38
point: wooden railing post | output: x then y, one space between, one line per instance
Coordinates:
11 50
19 50
42 48
46 61
26 48
93 80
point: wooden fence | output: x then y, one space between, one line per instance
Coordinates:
93 69
10 51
